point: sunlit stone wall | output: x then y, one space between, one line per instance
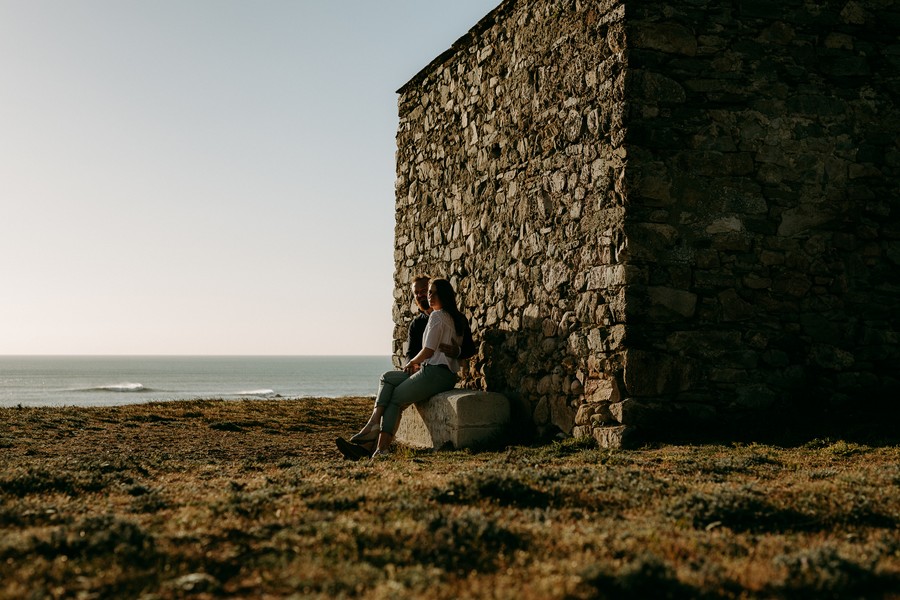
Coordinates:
661 214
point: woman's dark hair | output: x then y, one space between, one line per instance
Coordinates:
447 296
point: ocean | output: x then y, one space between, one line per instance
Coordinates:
118 380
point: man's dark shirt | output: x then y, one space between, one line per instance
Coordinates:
415 335
417 332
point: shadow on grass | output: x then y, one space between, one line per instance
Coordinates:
42 481
503 488
453 541
71 478
90 547
809 573
566 487
738 510
645 577
823 573
748 510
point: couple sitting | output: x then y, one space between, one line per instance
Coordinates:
438 338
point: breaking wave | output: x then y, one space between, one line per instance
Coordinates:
119 387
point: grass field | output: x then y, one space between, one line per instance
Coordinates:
211 499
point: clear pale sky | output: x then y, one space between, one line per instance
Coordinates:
204 176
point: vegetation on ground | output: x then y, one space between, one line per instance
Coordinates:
218 499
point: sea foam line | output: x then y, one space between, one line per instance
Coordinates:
119 387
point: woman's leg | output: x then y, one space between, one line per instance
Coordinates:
386 385
430 380
389 382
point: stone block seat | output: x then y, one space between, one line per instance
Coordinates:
457 418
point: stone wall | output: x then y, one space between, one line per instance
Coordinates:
660 212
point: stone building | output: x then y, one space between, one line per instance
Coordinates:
662 212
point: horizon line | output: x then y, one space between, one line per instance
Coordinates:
195 355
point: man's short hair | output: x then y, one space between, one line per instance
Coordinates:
419 278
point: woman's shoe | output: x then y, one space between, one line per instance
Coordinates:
366 435
351 451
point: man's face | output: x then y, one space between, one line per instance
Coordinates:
420 291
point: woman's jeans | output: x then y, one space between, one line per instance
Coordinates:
397 390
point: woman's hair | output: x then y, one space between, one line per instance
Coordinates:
447 296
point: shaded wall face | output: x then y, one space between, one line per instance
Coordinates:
509 183
763 194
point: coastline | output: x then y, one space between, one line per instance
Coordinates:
125 380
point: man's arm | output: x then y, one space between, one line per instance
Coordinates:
414 337
467 350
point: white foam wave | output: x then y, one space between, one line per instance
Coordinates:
122 387
257 393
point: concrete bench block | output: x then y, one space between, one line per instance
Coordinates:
460 418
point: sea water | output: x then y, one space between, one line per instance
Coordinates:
118 380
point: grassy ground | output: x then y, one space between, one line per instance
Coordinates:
214 499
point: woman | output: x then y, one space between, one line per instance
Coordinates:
429 372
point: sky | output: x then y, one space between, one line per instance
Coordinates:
205 177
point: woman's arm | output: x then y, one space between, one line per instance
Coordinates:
434 333
413 365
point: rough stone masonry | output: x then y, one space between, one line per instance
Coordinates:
662 213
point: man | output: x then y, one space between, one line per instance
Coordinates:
417 326
353 451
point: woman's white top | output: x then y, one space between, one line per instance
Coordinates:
441 330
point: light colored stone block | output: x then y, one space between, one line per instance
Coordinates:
460 418
616 437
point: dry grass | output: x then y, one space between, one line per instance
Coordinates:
216 499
